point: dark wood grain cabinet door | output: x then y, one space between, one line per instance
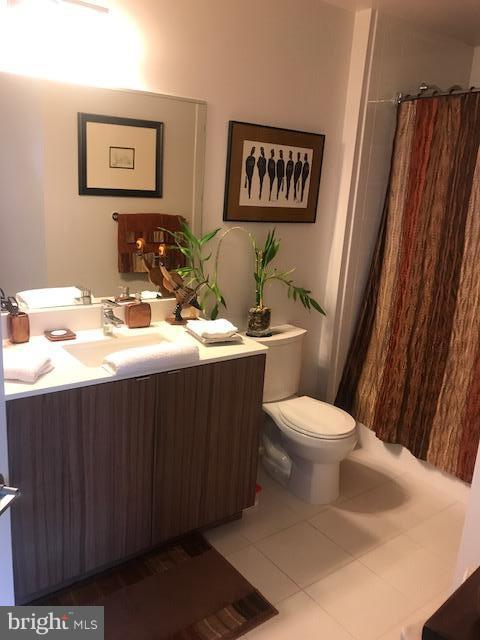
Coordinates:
84 461
181 436
231 456
206 448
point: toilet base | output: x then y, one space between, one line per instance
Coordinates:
314 482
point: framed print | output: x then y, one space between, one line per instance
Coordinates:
119 156
273 175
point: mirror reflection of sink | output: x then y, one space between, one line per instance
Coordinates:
91 354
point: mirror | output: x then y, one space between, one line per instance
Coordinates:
51 235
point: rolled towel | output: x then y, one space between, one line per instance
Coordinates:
212 329
151 358
26 364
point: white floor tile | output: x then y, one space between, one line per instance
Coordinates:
303 553
375 460
360 601
414 623
272 490
423 500
227 538
355 531
268 517
263 574
442 532
300 618
404 531
433 605
357 476
379 514
404 502
410 568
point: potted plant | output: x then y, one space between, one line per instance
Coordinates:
196 274
259 315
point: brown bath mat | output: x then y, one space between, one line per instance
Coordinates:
182 591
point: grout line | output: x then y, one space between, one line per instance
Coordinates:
393 586
329 615
303 587
281 571
402 622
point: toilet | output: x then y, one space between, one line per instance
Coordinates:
304 440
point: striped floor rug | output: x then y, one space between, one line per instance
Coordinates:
182 591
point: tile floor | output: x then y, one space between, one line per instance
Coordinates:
381 557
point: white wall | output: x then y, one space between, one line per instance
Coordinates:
402 57
268 62
475 74
469 553
22 228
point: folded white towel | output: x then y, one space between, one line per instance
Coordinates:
150 295
220 328
236 338
50 297
151 358
25 364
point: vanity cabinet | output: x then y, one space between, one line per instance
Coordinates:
110 470
83 460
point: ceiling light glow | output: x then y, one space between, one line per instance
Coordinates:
69 41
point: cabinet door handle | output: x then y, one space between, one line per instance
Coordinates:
171 373
7 495
142 378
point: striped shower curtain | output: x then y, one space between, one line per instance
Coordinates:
413 370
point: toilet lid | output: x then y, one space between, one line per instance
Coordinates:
316 418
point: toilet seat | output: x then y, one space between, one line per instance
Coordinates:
315 419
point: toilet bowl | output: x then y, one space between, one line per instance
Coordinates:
317 436
304 439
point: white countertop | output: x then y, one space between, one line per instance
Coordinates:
70 373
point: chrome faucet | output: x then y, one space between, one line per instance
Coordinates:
109 319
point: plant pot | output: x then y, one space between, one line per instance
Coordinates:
259 322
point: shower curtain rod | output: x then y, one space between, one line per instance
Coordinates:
432 91
427 91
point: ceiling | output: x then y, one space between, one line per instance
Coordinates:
459 19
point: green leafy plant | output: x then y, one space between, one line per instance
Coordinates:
195 272
263 274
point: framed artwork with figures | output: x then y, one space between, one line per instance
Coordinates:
273 174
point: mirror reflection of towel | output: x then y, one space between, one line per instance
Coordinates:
49 297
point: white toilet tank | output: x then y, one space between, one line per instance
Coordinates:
284 361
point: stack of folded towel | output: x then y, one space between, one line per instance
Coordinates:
25 364
212 331
149 359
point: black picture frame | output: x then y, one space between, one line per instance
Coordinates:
289 139
84 189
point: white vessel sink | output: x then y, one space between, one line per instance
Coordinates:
91 354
